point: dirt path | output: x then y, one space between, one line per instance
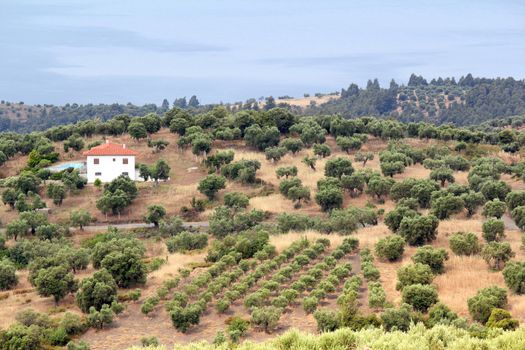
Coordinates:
509 223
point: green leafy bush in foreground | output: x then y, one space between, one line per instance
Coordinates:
416 338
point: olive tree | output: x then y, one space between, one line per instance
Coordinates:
464 243
443 175
493 230
55 281
8 278
211 184
420 296
338 167
497 254
494 208
96 291
390 248
418 230
433 257
414 274
481 305
514 275
155 214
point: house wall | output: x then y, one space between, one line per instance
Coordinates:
109 168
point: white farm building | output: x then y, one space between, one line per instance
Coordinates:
108 161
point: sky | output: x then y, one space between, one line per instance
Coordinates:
99 51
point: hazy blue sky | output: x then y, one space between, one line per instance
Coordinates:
57 51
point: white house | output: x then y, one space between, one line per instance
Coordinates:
108 161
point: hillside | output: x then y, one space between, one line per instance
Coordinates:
310 223
469 101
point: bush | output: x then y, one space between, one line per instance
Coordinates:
187 241
337 167
327 321
310 304
493 230
421 297
211 184
266 317
237 328
497 254
481 305
126 267
183 318
376 296
419 230
329 198
390 248
518 214
500 318
96 291
414 274
149 341
465 243
223 305
71 323
440 314
433 257
236 200
8 278
19 337
99 319
396 319
370 272
494 208
514 275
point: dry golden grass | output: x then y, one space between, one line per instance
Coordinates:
283 241
306 101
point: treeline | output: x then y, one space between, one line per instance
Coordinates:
468 101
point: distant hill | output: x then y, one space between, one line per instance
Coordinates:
468 101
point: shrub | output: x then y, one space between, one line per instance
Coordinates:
500 318
71 323
211 184
418 230
465 243
149 341
266 317
414 274
376 296
370 272
96 291
99 319
327 321
187 241
494 208
433 257
421 297
481 305
497 254
390 248
223 305
514 275
8 278
329 198
397 319
126 267
236 200
440 314
444 206
493 230
310 304
338 167
518 214
237 328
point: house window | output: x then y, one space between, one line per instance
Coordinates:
96 161
113 159
98 174
124 160
125 173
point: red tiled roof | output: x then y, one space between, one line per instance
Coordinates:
110 149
